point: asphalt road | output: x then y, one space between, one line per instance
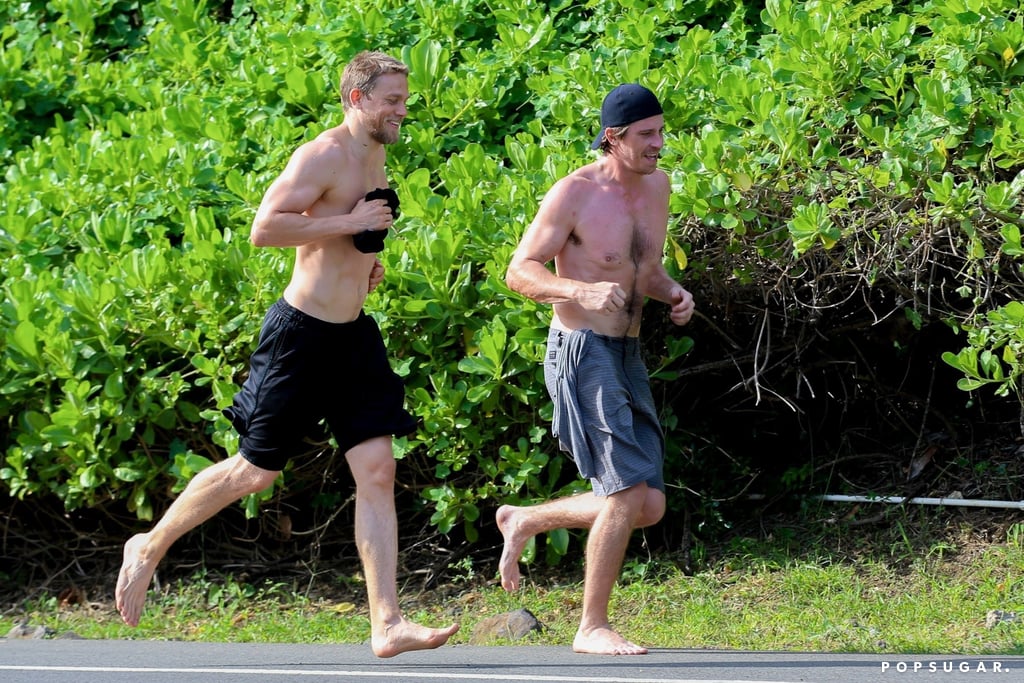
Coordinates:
124 661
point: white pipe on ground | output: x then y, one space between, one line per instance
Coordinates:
897 500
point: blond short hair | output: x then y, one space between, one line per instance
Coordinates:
363 71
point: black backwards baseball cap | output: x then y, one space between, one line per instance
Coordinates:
625 104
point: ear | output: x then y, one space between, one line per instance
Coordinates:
356 96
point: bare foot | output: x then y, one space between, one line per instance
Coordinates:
133 580
605 641
515 543
405 636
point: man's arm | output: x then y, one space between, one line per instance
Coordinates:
281 221
544 239
376 275
655 281
660 287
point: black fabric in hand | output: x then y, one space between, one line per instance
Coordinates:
389 196
372 241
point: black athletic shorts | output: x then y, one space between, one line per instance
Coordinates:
306 370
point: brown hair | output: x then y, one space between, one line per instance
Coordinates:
363 71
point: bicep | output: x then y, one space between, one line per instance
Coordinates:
658 227
655 276
547 234
298 187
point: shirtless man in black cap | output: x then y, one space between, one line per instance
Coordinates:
604 226
320 356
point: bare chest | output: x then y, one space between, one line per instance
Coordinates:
341 197
613 235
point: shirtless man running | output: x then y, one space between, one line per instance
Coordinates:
319 355
604 226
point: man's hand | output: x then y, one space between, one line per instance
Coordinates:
376 275
682 306
603 297
371 215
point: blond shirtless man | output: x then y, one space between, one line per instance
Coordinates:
604 227
319 355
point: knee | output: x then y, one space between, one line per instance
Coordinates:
653 508
373 464
378 473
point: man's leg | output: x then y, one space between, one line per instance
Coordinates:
373 468
606 547
519 524
208 493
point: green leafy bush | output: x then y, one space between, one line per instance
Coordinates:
833 165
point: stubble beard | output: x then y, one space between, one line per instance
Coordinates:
638 163
383 133
645 164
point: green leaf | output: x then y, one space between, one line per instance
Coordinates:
298 86
425 60
1011 241
129 474
811 223
529 551
113 386
478 365
24 340
89 478
558 540
60 436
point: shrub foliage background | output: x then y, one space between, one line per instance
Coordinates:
847 182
